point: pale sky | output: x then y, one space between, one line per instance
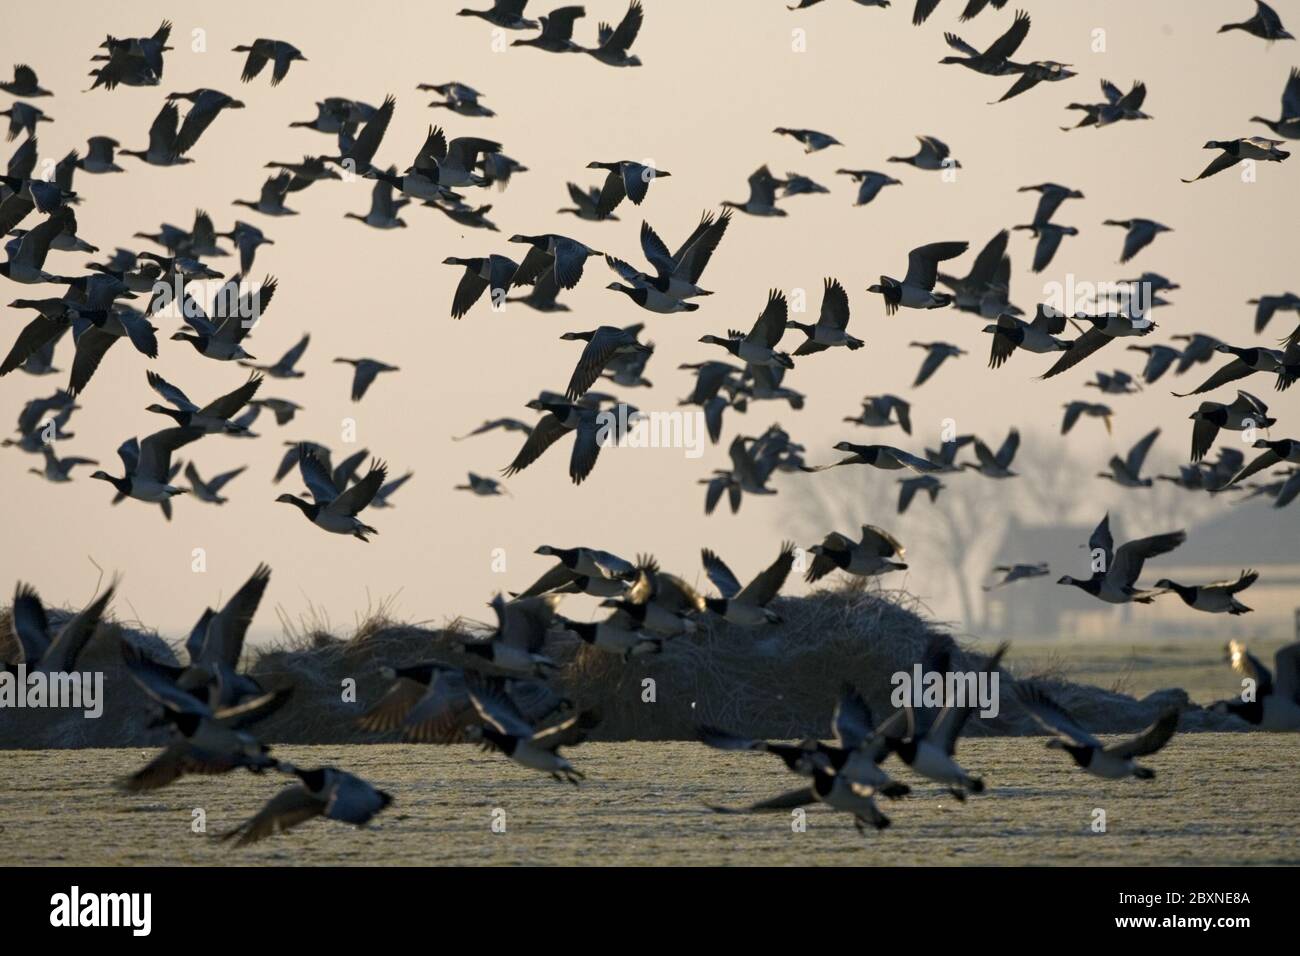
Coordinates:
717 78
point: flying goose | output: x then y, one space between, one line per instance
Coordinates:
1200 348
43 649
1248 361
234 316
831 789
880 411
1073 410
603 344
1118 106
1105 329
210 491
998 465
678 274
624 179
506 424
1017 572
162 149
933 154
458 97
334 114
799 185
1272 704
869 183
759 346
1284 451
878 456
56 469
35 428
747 475
137 61
559 419
984 289
916 290
1031 74
583 570
23 117
52 321
586 203
506 729
627 369
206 105
1117 382
931 751
1266 306
811 139
285 366
270 201
99 156
387 490
1127 471
24 83
1256 148
1116 571
1113 761
557 31
657 602
1141 233
213 418
620 633
310 169
26 255
472 217
384 210
263 51
1049 235
484 487
747 607
1038 336
206 740
503 13
614 41
1246 411
1216 598
1265 24
356 154
869 557
832 322
494 273
936 354
1288 126
147 467
1050 197
332 509
908 487
994 61
762 195
322 792
365 370
550 253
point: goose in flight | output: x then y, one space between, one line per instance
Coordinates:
1105 329
505 424
1256 148
483 487
613 42
1266 306
933 154
213 418
983 290
586 203
916 290
1285 451
936 354
1050 197
206 740
747 606
247 238
871 556
205 106
1160 358
1074 410
1113 761
1117 382
550 253
384 209
994 61
797 184
759 346
1288 125
137 61
832 323
1141 233
270 201
1049 235
493 272
233 318
147 466
998 465
23 118
457 97
356 154
264 51
388 489
677 274
748 474
1247 362
1245 411
1118 106
163 136
1265 24
99 156
811 139
1116 570
1273 702
44 649
1018 572
1031 74
321 792
881 411
24 83
332 509
1127 471
1217 598
285 366
210 491
26 255
627 369
57 469
869 183
503 13
583 570
878 456
624 179
603 345
506 729
762 195
557 31
559 419
365 370
908 488
1038 336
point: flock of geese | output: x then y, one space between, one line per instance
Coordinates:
499 690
